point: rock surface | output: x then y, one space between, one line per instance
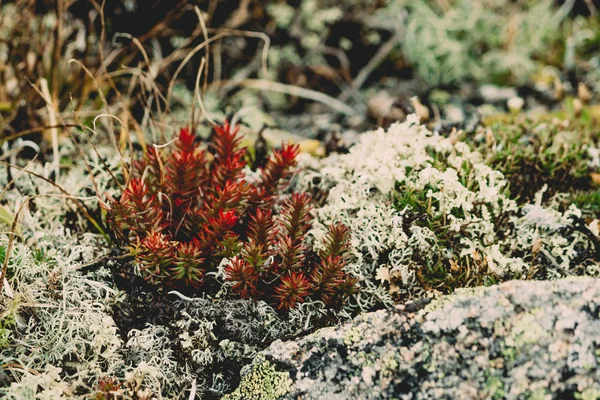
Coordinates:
518 340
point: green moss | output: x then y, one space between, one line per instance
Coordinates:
588 202
40 256
7 322
6 325
539 394
439 97
590 393
353 336
66 162
509 354
526 330
495 388
263 382
442 274
550 149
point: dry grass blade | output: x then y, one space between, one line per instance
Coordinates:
207 52
9 184
319 97
112 139
4 286
35 130
50 106
374 62
103 69
67 195
199 98
219 34
106 167
258 35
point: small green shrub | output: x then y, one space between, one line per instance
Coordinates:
549 151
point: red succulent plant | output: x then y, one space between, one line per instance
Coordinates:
186 209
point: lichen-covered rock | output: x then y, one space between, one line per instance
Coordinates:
521 339
263 382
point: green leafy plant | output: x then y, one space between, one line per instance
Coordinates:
498 41
545 151
7 324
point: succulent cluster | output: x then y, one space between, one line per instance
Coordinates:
186 209
275 255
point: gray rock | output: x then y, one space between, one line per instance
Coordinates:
521 339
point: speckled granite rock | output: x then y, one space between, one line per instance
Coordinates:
518 340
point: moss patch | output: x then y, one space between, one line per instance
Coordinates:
550 149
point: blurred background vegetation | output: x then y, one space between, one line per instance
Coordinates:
304 66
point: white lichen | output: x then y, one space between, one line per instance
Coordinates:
391 181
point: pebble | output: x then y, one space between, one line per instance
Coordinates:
515 104
496 94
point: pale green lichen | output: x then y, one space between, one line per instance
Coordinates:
588 394
538 394
498 41
354 335
526 330
426 211
263 382
412 171
491 40
46 384
467 359
441 302
58 314
495 388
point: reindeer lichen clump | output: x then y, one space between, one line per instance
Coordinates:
186 209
